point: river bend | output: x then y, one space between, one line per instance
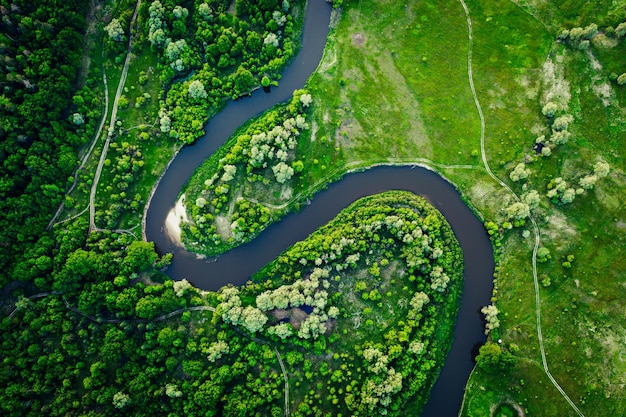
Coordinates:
237 265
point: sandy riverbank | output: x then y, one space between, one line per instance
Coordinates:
174 217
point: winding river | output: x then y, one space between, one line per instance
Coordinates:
239 264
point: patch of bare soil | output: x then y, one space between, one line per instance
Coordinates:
358 39
280 314
296 317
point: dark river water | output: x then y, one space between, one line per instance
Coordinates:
237 265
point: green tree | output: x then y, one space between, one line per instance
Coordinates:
115 31
495 360
196 90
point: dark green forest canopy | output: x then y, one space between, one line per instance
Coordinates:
40 55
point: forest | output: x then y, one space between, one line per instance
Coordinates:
363 309
357 319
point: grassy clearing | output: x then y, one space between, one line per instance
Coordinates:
397 66
137 124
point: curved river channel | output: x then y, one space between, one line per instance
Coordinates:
237 265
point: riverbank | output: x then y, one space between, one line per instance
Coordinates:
174 218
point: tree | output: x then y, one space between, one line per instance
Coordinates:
253 319
115 30
216 350
174 49
121 400
271 39
549 109
282 172
588 182
282 330
518 211
205 12
543 254
306 99
244 81
172 391
494 360
181 286
196 90
532 199
568 196
562 122
519 172
601 169
264 301
621 80
139 257
491 316
419 300
229 172
180 12
78 119
439 279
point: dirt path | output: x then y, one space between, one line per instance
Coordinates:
517 198
105 148
86 156
282 367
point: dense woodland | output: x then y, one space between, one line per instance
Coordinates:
351 312
45 117
218 54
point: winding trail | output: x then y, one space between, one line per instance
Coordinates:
32 297
282 366
517 198
116 321
86 156
105 148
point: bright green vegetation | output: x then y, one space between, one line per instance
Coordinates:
515 78
188 60
364 315
258 161
369 299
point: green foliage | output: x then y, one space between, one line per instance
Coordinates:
41 53
368 228
543 254
115 31
264 151
493 359
229 55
